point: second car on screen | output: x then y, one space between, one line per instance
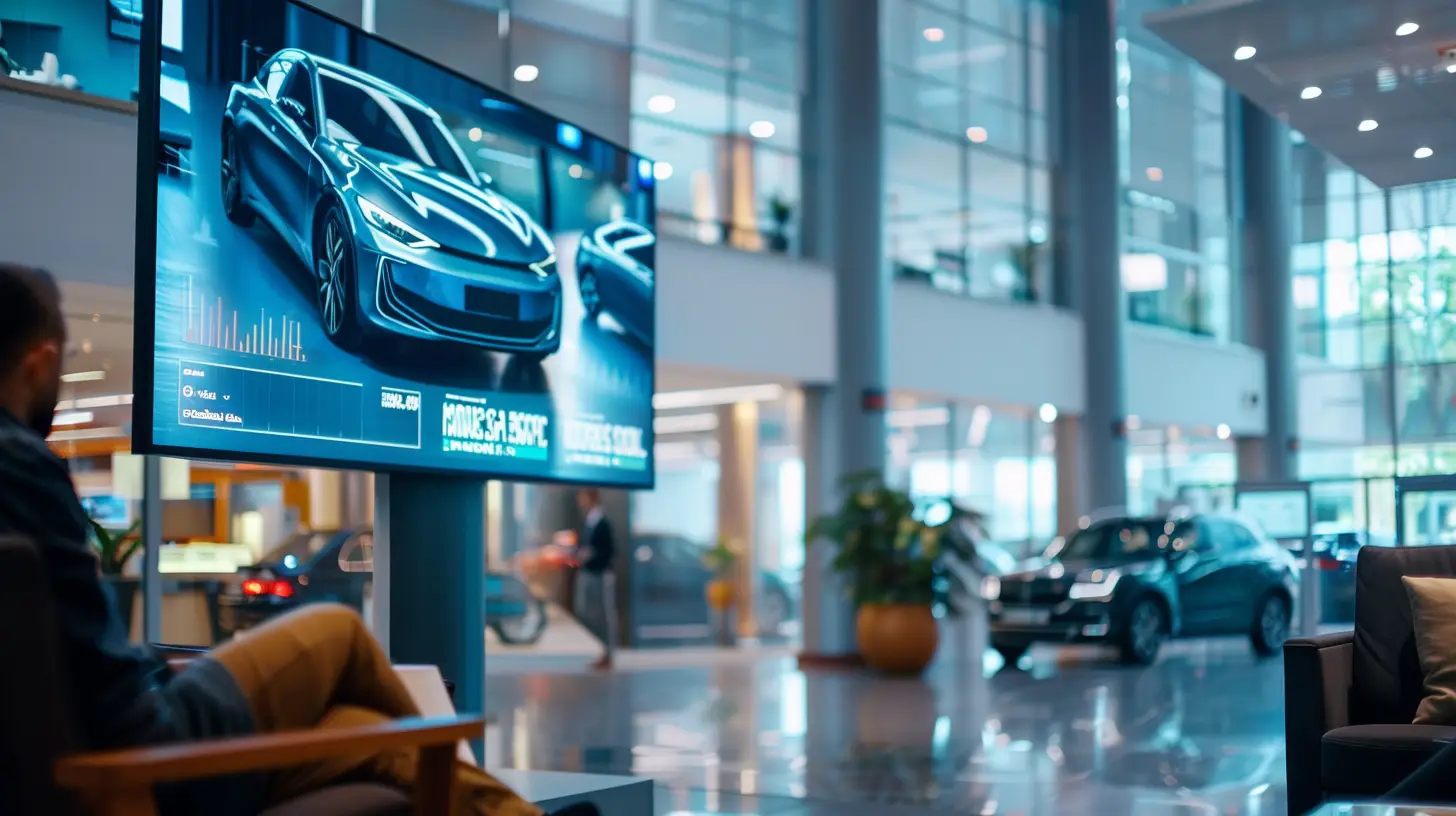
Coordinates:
614 264
373 193
1133 582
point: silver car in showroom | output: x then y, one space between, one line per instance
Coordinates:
372 192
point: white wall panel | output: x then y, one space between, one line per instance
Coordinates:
1008 353
1177 379
68 172
760 314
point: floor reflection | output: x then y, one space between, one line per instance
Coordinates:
1200 732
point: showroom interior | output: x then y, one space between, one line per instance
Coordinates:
1045 281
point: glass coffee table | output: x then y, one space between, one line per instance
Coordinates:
1372 809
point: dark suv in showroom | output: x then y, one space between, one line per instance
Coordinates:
1133 582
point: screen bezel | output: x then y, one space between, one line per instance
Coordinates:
144 340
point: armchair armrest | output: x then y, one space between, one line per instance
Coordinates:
1317 677
125 777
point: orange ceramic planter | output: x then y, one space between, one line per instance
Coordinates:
720 595
897 638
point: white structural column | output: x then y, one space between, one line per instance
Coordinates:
844 207
1268 212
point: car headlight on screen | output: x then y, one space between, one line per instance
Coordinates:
990 588
1096 585
388 223
546 268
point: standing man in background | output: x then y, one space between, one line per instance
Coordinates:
596 548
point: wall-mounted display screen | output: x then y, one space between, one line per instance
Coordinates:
363 259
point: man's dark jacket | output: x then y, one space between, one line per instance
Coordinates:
122 695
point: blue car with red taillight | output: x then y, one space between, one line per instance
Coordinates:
338 566
306 567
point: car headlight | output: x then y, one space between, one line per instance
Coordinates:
990 588
546 268
1096 585
389 224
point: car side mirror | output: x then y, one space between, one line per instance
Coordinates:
293 109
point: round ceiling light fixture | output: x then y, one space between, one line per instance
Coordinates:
526 73
1424 152
1312 92
934 34
977 134
1245 52
1407 29
661 103
762 129
1368 125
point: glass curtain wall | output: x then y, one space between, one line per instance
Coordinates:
997 460
716 88
1176 218
967 172
1171 465
1375 301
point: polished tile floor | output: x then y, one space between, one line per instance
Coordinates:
1070 732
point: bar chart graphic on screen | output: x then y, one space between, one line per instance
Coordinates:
212 323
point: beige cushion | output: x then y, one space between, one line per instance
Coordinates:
1433 614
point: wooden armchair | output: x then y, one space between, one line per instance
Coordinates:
41 774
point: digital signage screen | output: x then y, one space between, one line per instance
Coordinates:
362 259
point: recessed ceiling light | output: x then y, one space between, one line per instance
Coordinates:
526 73
1368 125
934 34
1424 152
475 134
762 129
1244 52
662 171
1406 29
1223 431
1155 174
661 103
976 134
1312 92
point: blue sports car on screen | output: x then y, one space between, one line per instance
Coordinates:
373 193
614 274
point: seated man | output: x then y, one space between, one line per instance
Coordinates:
318 668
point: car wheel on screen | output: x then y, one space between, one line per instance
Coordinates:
233 205
333 254
591 293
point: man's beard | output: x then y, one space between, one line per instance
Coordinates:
42 412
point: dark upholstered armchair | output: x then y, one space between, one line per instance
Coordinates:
41 774
1350 697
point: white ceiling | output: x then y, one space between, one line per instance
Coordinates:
1350 51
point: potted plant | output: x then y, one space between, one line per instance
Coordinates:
897 569
780 211
721 560
114 549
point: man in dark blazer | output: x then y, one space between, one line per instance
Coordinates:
596 551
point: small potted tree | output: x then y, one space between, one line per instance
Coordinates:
780 211
897 568
114 549
721 593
